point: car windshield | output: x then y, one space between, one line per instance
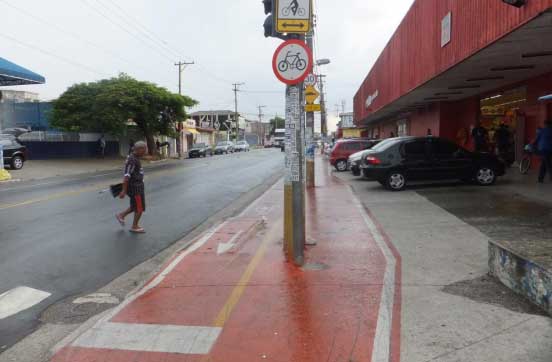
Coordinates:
386 144
241 143
199 145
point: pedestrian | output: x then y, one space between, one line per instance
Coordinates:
543 144
502 138
480 136
392 134
101 146
133 186
429 132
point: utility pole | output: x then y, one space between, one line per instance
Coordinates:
323 115
236 117
181 66
260 128
261 113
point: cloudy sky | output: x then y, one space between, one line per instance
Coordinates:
71 41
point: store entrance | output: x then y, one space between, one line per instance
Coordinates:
500 112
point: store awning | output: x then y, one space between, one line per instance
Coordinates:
13 74
191 130
521 55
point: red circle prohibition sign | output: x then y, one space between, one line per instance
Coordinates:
292 60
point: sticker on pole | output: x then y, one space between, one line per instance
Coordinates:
292 62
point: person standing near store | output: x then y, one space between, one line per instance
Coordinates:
133 186
543 144
480 135
502 139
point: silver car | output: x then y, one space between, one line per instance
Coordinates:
242 146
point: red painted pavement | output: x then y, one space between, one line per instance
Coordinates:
327 311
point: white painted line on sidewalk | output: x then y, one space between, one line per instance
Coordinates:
150 338
19 299
382 339
224 247
97 298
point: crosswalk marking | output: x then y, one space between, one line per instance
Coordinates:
19 299
150 338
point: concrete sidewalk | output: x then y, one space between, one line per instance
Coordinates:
44 169
231 296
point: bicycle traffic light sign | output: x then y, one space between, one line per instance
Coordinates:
293 16
270 22
292 62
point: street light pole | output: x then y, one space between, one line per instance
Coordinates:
323 115
236 117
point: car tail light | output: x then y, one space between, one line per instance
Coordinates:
371 160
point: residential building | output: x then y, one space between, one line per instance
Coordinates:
18 96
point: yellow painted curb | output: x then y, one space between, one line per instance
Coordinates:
5 175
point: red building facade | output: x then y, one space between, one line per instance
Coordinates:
454 63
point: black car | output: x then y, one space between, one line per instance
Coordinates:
200 150
397 161
15 154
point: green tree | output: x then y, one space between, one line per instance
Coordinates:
107 105
276 123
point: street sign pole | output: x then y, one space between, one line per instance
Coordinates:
292 63
310 135
294 183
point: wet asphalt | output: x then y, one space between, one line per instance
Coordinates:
60 235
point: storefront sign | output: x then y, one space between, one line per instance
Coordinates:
446 29
371 99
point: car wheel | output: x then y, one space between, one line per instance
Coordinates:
396 181
485 176
17 163
341 165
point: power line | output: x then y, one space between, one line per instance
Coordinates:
109 19
133 26
46 52
74 35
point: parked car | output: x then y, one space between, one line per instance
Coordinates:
353 163
224 147
242 146
200 150
397 161
15 154
344 148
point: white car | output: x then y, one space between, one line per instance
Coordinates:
241 146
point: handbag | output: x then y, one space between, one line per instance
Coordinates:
116 189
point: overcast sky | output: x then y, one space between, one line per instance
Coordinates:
72 41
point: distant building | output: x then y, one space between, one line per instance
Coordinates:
346 127
256 132
18 96
222 121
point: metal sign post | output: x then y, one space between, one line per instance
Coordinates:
292 62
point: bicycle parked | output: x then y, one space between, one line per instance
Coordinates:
525 164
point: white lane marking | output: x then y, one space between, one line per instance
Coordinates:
382 340
19 299
224 247
150 338
97 298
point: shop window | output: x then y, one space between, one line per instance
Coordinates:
402 129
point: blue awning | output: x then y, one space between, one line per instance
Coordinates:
13 74
546 98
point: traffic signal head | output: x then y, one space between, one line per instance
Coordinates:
268 6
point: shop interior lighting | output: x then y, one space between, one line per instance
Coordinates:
514 67
537 54
508 103
493 97
475 86
484 78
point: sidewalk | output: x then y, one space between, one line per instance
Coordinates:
231 296
43 169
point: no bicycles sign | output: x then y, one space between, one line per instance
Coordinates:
292 62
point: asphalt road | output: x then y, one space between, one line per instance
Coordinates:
61 237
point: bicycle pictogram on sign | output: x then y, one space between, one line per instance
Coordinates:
292 62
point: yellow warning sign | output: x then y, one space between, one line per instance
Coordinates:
313 108
293 26
311 94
